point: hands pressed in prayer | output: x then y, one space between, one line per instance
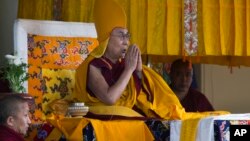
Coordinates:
133 53
133 58
139 61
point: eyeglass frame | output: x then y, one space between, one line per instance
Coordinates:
122 36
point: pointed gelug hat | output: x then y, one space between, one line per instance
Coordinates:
108 14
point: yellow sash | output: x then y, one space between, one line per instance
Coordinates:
113 130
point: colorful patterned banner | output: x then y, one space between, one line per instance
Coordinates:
190 27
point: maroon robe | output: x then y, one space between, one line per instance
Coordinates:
196 102
7 134
111 72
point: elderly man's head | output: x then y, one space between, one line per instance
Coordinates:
14 113
118 43
108 16
181 75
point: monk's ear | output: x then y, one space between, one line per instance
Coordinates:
10 121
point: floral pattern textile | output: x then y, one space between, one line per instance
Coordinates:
190 27
53 61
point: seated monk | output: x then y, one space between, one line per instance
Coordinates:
181 74
113 74
14 118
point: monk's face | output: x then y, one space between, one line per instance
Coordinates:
181 78
118 43
21 119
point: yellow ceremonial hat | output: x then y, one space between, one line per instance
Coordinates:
108 14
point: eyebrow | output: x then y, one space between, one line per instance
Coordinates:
123 32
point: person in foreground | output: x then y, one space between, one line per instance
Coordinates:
113 74
181 75
14 118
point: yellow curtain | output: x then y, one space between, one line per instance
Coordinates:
147 22
35 9
224 31
157 26
77 10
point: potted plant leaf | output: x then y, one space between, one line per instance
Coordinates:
15 72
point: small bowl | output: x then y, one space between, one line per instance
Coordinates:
77 109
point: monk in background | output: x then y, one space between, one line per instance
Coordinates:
181 75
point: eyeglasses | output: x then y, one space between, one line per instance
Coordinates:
122 36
